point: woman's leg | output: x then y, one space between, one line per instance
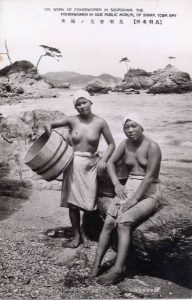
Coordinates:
74 215
86 242
124 238
135 214
103 244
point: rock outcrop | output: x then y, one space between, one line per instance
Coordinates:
22 80
65 85
167 80
98 87
170 80
27 126
137 79
165 239
17 133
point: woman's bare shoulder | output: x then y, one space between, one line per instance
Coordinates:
100 120
153 145
69 120
73 118
124 143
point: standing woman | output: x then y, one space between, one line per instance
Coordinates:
79 184
135 201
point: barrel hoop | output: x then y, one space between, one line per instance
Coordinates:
44 171
60 172
38 169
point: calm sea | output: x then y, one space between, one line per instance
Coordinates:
167 118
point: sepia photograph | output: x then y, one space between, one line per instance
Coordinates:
95 149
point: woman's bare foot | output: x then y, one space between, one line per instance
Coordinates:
95 270
74 243
110 277
86 242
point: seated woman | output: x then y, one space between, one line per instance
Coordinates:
134 202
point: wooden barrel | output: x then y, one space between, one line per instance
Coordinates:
49 155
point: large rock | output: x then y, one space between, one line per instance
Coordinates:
17 133
97 86
27 126
170 80
167 80
137 79
64 85
18 66
21 78
165 239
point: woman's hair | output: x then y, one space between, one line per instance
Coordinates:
81 94
133 117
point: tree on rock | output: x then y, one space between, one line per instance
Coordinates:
171 57
7 53
125 60
49 51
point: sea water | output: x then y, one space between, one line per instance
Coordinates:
166 118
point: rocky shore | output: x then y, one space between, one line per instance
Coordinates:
33 226
34 263
21 81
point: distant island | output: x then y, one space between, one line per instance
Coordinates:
73 78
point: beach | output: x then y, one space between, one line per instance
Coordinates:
34 265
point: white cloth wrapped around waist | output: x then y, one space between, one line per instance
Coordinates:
133 183
142 209
80 181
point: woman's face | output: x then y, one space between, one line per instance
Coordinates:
133 130
83 106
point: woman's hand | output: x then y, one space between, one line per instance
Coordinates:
101 166
120 191
128 204
48 129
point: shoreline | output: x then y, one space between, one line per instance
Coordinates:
35 265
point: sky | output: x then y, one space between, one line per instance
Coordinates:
97 48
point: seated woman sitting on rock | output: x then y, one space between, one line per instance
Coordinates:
134 202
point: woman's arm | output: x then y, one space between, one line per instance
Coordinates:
152 172
109 140
117 155
111 147
66 121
